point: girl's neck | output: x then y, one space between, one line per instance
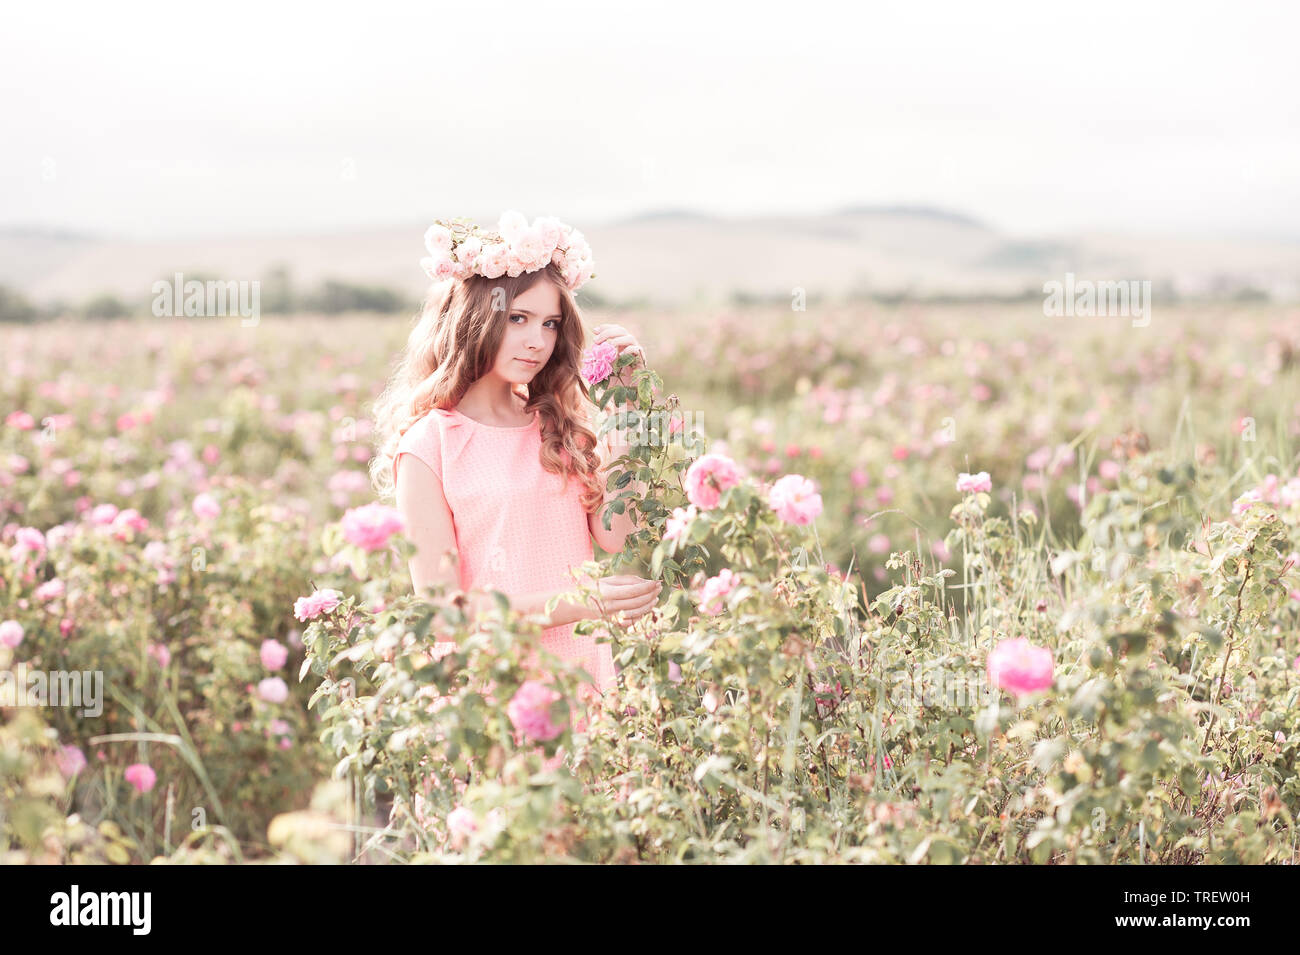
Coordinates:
492 401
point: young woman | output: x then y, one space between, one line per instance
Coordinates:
486 431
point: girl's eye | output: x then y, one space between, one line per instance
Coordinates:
549 323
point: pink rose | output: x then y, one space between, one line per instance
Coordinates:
11 633
708 477
127 522
552 230
155 553
206 506
29 540
273 690
103 514
973 483
715 590
516 265
274 653
141 776
369 527
678 522
598 362
530 247
438 240
1020 667
468 252
795 499
70 761
511 224
1243 503
20 420
320 601
461 825
530 711
161 654
493 260
50 590
439 267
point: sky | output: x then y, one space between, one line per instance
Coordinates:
167 121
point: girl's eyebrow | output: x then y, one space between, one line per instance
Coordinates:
526 312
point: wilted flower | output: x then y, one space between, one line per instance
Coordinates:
826 697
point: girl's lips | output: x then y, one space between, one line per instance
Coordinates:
527 362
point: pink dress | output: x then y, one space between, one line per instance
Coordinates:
518 528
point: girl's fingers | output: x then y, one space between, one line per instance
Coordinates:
635 584
629 589
633 601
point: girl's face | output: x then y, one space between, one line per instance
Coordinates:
530 333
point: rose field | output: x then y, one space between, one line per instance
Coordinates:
943 584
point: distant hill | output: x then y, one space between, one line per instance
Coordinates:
678 256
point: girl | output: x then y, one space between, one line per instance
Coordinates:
486 433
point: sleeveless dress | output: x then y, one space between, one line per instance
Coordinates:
519 529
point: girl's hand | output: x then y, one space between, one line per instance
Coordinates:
628 596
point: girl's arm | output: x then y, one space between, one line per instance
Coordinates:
428 522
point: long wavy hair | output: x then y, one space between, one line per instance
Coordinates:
454 342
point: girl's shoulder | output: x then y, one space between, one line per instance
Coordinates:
429 438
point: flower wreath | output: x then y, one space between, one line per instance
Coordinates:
458 249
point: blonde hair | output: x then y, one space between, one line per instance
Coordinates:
454 343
